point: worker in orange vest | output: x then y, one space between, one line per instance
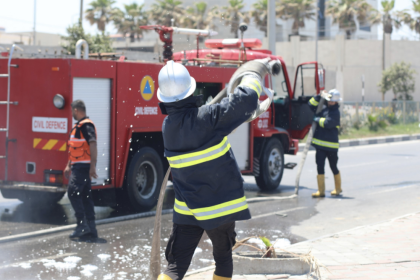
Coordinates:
83 154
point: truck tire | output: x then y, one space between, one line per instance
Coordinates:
271 165
144 179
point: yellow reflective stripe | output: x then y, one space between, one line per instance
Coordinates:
325 143
253 84
313 102
183 212
321 122
36 141
50 144
201 156
212 212
337 126
253 81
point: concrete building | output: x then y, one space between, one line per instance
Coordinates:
346 61
26 38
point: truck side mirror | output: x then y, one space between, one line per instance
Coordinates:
321 78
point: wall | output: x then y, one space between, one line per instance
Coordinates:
26 38
346 61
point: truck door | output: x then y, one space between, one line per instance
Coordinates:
96 93
309 81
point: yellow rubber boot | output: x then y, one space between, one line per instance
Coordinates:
337 181
164 277
321 186
215 277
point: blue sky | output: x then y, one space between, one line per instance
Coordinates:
53 16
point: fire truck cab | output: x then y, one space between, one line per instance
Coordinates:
120 98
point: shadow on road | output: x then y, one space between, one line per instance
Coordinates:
41 214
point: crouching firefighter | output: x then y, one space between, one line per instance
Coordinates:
208 185
325 139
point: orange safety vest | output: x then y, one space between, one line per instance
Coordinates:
79 149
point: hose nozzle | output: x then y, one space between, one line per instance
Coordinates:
275 67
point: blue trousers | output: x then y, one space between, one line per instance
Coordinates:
184 240
79 192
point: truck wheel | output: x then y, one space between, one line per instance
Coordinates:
144 179
271 165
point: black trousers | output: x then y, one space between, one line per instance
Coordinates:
320 157
79 192
184 240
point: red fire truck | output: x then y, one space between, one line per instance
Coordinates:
120 97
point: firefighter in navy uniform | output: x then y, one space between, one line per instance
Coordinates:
325 140
208 185
82 162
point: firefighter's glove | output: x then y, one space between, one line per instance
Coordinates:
316 119
326 95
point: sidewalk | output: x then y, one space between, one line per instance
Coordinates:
390 251
370 141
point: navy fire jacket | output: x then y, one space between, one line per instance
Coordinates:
326 133
207 181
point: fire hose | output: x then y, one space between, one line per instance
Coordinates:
307 145
260 67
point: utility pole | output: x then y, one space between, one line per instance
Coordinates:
316 31
81 13
34 23
271 26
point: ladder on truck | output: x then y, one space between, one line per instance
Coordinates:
7 103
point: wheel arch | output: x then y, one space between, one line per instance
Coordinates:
140 140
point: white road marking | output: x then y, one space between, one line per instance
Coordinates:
395 189
278 212
38 260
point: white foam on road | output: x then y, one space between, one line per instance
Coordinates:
104 257
87 269
72 259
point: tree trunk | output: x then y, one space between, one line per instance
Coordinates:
348 34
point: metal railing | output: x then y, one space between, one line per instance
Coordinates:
393 112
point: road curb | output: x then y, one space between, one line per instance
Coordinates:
204 269
371 141
70 227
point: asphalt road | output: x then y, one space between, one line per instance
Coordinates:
380 182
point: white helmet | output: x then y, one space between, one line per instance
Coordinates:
175 83
335 95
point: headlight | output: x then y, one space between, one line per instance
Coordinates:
59 101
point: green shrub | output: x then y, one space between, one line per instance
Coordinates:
392 118
357 125
375 123
345 125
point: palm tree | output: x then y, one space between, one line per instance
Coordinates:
260 15
164 10
128 21
389 19
412 21
298 10
196 17
233 15
99 13
345 13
